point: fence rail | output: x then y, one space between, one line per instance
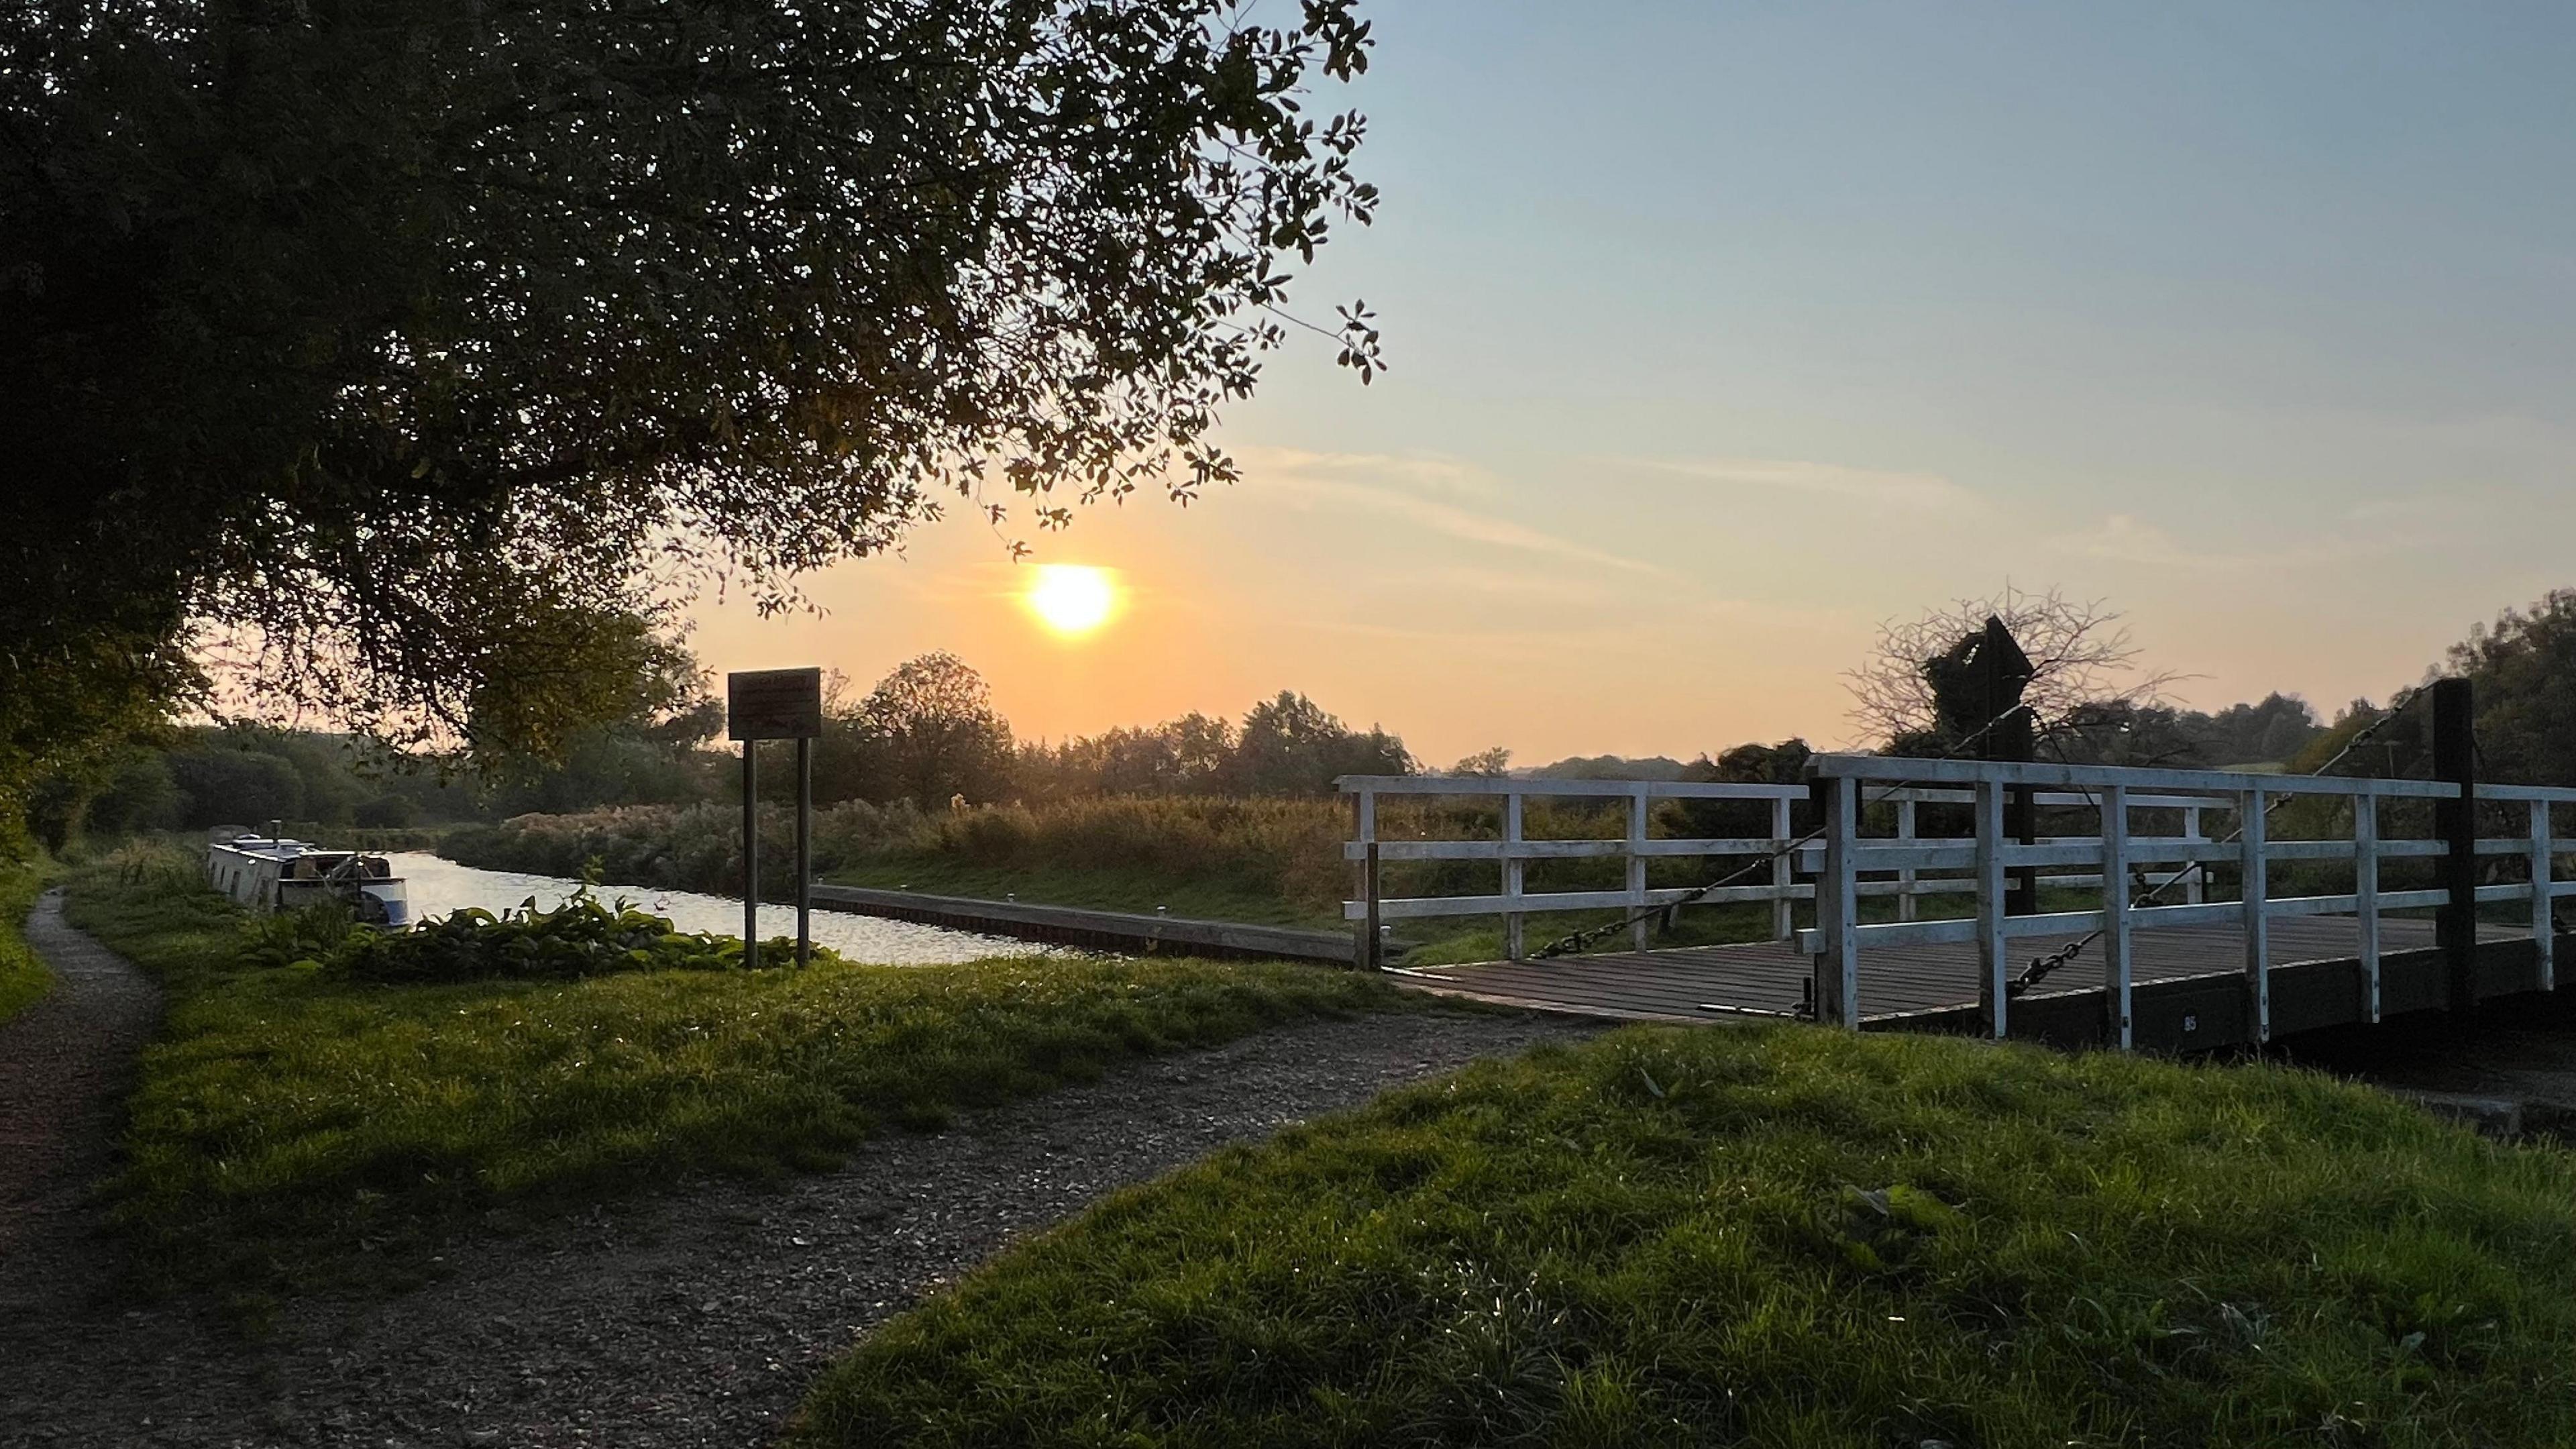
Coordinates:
1840 936
1841 866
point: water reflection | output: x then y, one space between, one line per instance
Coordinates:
438 886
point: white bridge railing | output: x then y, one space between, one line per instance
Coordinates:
1837 866
1780 885
2118 853
1514 851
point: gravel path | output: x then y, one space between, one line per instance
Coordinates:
697 1318
65 1064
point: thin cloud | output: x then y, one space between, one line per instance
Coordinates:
1470 525
1432 473
2126 538
1924 492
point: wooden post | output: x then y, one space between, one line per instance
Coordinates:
2365 894
1637 868
1837 967
1374 958
2195 880
2256 858
1784 916
1515 925
2115 914
1905 905
750 854
804 850
2544 928
1993 960
2455 819
1364 952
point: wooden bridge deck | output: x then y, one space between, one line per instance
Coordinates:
2188 984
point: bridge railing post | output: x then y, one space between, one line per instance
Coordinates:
1906 909
1364 947
1637 813
2543 922
2365 893
1993 958
2194 887
1837 966
2255 896
1515 924
1784 916
2115 913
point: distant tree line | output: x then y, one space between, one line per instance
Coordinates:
929 733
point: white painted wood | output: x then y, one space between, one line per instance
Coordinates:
2365 894
1906 877
1364 946
2195 886
2115 911
1784 911
1638 931
2092 777
1838 911
1515 924
2258 919
1993 964
2544 930
1613 789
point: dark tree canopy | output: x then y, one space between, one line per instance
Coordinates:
384 334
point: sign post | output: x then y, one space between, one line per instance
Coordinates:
775 704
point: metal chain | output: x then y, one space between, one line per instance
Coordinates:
2040 967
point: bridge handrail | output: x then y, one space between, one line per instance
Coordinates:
1840 935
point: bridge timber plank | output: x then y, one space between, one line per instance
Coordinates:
2188 994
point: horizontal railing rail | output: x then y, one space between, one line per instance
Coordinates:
1369 910
2116 855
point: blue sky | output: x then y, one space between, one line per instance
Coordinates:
1723 333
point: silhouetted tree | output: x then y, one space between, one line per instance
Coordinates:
388 337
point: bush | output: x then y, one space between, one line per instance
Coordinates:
581 937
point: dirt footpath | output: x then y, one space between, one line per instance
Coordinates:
65 1065
697 1318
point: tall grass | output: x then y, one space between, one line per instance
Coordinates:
1781 1236
23 978
291 1116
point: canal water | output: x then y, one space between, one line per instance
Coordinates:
437 886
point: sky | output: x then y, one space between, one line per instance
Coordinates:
1721 334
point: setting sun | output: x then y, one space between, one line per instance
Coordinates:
1072 598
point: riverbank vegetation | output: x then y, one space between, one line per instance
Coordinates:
297 1117
1780 1236
23 979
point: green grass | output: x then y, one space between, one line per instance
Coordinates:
1780 1236
23 979
289 1116
1103 888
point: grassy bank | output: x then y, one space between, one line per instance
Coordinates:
23 979
292 1116
1782 1236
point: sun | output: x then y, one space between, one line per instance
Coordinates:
1072 599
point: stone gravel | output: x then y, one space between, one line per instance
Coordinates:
693 1318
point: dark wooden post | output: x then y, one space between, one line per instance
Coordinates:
750 854
2009 735
1373 957
804 849
2455 820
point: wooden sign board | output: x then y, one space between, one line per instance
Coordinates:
774 704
